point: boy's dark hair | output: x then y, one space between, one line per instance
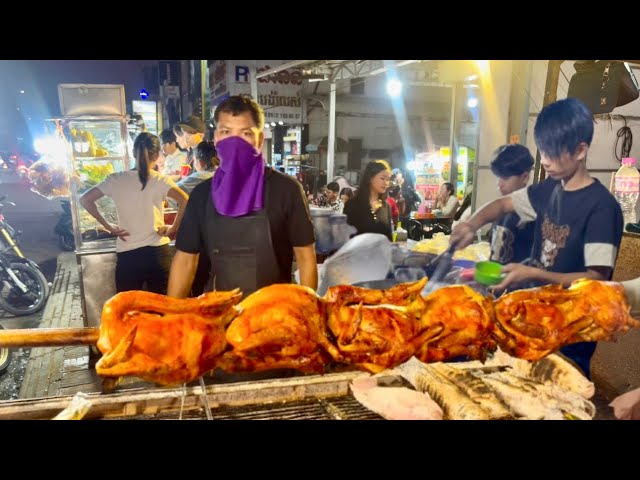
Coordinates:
205 153
239 104
561 126
510 160
334 187
167 136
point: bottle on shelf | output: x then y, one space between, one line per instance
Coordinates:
627 189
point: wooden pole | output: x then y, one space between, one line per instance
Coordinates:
550 96
48 337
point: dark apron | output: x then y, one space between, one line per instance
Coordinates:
241 250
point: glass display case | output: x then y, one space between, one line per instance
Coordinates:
98 147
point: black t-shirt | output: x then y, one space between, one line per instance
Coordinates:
287 211
511 240
360 216
574 230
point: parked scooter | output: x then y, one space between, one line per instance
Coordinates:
23 287
5 357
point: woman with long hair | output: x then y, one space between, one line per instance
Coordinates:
369 211
346 194
142 244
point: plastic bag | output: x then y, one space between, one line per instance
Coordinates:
364 258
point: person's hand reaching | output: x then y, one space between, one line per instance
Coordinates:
462 235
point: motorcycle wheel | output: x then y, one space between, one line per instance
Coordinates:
17 303
67 242
5 357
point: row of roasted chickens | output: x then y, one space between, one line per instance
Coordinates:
170 341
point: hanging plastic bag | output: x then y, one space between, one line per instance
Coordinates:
364 258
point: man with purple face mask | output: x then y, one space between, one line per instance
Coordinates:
250 218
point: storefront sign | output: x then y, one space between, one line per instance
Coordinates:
280 94
169 71
218 84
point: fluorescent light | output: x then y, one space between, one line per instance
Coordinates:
394 87
472 102
315 77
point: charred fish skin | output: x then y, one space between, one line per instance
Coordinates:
539 401
455 403
476 390
522 401
555 369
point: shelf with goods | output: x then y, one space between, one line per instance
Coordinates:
97 147
432 169
427 168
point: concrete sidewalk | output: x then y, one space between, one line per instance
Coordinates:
60 370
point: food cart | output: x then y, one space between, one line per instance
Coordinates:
94 124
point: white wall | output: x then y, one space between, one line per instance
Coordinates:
371 117
494 120
601 153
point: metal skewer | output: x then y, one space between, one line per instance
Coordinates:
205 400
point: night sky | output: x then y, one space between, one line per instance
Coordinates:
40 78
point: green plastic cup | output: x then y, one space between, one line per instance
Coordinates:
488 273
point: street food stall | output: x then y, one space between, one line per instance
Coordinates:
395 363
94 124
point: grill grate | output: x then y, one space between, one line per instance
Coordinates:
334 408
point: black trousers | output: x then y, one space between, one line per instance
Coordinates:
202 275
145 265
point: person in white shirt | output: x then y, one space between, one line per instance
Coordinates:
333 198
447 201
142 246
174 158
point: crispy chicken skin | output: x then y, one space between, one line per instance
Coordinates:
374 329
279 326
532 323
457 321
170 341
163 340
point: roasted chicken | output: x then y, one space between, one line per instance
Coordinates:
374 329
164 340
457 321
171 341
535 322
279 326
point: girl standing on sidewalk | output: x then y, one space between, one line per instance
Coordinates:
142 245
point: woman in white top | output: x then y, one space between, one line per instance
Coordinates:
142 245
447 201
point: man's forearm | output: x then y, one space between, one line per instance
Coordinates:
491 212
183 271
307 264
564 279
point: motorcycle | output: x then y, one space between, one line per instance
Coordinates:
64 228
5 357
23 287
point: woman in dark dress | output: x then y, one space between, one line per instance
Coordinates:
369 211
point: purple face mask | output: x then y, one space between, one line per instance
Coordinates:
238 183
